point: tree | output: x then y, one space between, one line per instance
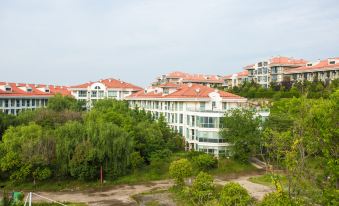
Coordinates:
233 194
278 199
203 189
179 170
59 103
242 130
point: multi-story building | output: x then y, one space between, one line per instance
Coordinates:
272 70
17 97
186 78
324 70
236 79
193 110
106 88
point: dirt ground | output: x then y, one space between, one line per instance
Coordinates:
121 195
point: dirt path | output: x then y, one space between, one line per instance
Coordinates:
121 195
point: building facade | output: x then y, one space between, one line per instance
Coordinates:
236 79
325 70
186 78
107 88
18 97
193 110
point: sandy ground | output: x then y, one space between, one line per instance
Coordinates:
121 195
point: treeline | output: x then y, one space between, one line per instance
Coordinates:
64 142
286 89
300 138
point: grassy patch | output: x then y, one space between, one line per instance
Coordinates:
267 179
232 167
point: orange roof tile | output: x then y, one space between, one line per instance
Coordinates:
111 83
322 65
185 91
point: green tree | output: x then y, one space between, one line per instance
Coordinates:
242 130
233 194
179 170
59 103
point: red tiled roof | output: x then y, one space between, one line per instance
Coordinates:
186 77
17 91
111 83
322 65
186 91
251 66
287 61
169 85
239 74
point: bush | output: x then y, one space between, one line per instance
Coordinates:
234 194
278 199
203 189
179 170
205 162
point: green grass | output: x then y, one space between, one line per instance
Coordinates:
267 180
232 168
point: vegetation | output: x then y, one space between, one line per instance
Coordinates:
242 130
179 170
62 142
234 194
287 89
203 189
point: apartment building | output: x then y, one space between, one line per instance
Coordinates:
272 70
323 70
186 78
193 110
90 92
17 97
235 79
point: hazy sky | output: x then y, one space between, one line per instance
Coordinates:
74 41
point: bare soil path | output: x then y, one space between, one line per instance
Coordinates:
121 195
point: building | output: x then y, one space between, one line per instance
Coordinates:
236 79
106 88
272 70
264 72
325 70
186 78
194 110
17 97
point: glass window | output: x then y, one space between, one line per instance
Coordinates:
94 94
202 106
101 93
82 93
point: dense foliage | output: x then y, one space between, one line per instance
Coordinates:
61 141
234 194
287 89
242 130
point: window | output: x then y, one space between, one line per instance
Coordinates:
33 102
259 70
94 94
202 106
1 102
97 87
82 93
101 93
112 94
265 70
23 102
181 118
28 103
18 103
8 88
332 62
214 105
29 89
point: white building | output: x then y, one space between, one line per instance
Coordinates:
17 97
325 70
106 88
193 110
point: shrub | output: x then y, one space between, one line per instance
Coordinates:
203 189
205 161
179 170
278 199
234 194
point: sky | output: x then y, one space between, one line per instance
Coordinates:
67 42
